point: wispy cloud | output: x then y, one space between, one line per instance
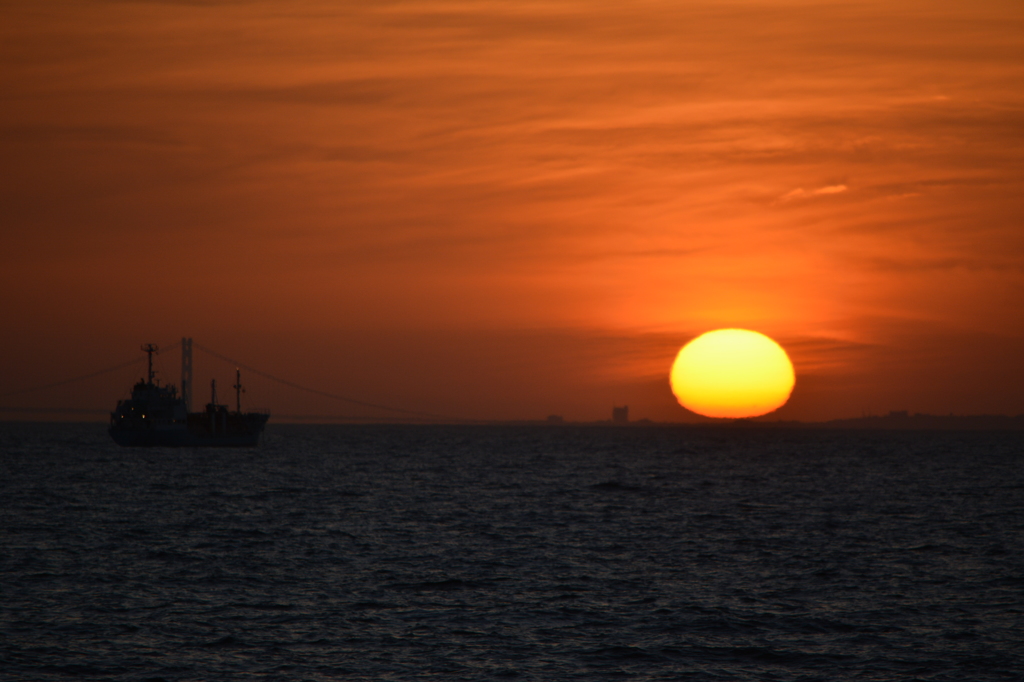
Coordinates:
801 193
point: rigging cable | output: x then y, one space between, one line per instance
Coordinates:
74 379
323 393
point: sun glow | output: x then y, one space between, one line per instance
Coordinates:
732 373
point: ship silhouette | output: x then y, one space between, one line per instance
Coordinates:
158 415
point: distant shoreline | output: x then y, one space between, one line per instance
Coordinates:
894 421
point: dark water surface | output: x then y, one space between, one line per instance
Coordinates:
529 553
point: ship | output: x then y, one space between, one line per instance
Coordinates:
158 415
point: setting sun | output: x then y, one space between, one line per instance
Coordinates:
732 373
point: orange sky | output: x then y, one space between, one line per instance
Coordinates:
511 209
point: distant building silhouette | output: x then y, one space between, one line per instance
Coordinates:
620 415
555 419
902 419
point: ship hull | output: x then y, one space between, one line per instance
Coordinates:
203 430
141 438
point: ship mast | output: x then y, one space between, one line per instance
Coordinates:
186 372
149 349
238 390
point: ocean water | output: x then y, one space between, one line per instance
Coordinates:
518 552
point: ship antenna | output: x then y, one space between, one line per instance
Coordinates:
149 349
186 372
238 390
213 392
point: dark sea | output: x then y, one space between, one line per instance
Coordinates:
513 552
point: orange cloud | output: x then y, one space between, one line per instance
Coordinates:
801 193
